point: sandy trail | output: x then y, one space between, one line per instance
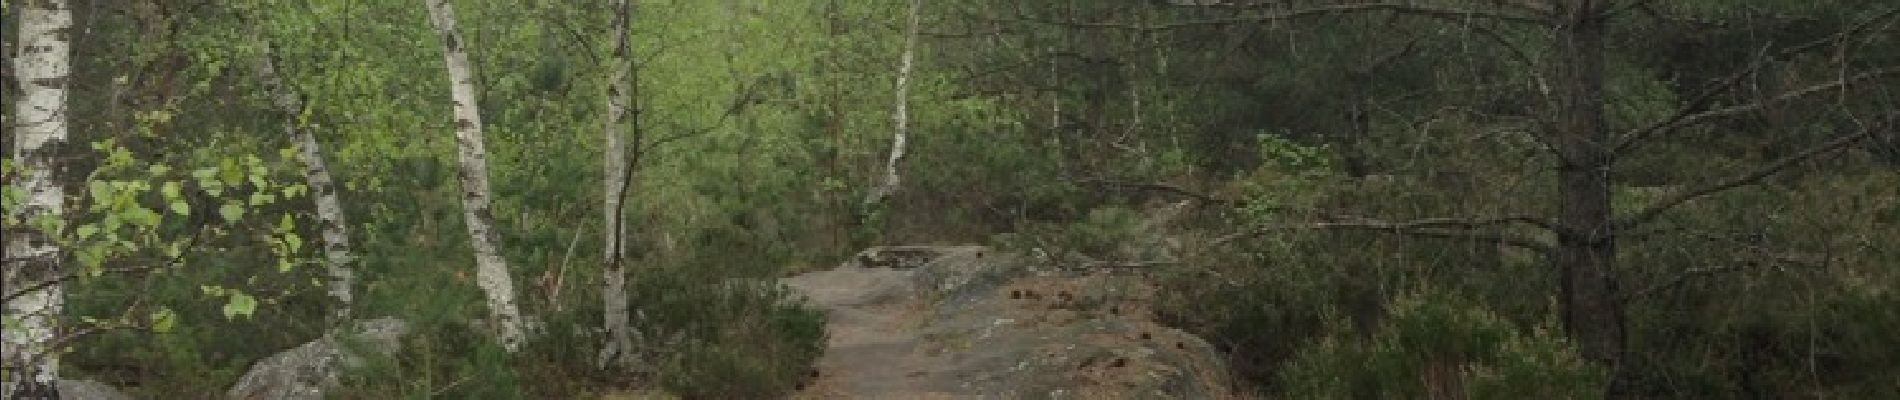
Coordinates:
873 324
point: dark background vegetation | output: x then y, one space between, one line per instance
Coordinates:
1300 139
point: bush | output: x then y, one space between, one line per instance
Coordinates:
1437 345
708 337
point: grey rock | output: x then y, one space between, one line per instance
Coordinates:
308 371
83 389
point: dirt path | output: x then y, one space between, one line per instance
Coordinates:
874 339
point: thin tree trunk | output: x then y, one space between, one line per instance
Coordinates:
43 64
619 344
1586 251
335 230
900 115
491 270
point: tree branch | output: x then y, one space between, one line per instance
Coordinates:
1410 230
1158 187
1444 228
1655 210
1689 117
1696 111
1403 8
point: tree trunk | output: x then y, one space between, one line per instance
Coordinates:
619 346
900 116
335 230
491 270
43 65
1586 251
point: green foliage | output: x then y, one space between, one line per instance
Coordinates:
1107 234
1437 345
725 338
762 124
1290 179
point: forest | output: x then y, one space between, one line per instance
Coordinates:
621 199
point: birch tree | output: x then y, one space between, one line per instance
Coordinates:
617 177
336 235
491 270
35 297
900 114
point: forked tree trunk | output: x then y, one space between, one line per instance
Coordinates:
35 299
619 346
339 260
1586 250
900 115
491 270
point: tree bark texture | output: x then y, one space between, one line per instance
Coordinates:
339 259
619 346
491 270
43 64
900 114
1586 250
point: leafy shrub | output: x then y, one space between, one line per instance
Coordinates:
1107 233
1437 345
718 338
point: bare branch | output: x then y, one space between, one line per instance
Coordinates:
1403 8
1679 280
1655 210
1404 229
1688 117
1696 110
1777 259
1159 187
1445 228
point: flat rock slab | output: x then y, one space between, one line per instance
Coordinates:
968 322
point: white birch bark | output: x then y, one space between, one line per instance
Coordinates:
619 346
491 270
900 115
34 298
335 230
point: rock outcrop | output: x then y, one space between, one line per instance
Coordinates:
971 322
81 389
310 370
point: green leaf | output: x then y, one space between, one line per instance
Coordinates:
91 257
142 216
164 320
86 231
294 190
240 304
181 208
204 174
99 189
232 212
172 190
